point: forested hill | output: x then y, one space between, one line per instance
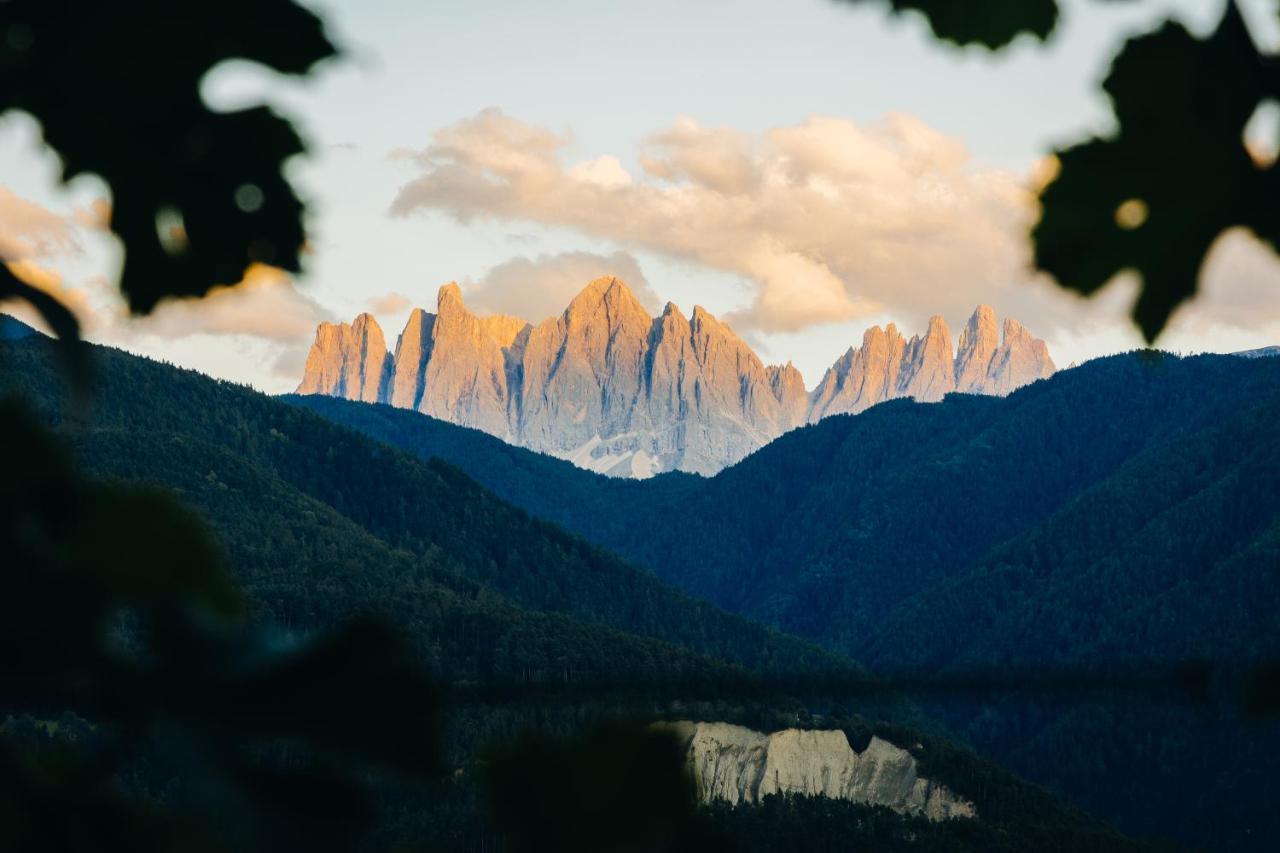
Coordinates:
802 532
320 523
1119 517
348 509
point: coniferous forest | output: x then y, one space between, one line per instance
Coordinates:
530 628
1109 534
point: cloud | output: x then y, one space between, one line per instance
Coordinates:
541 287
289 364
30 231
265 304
389 303
95 217
50 281
1239 287
830 221
33 239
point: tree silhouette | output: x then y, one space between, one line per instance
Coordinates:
119 626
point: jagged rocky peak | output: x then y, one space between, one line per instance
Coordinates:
787 385
1020 360
925 368
348 360
735 764
453 312
928 369
606 305
613 389
978 343
464 374
863 376
413 349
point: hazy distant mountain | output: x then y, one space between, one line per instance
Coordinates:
617 391
1260 352
888 366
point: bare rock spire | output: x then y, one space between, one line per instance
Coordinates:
978 343
618 391
348 361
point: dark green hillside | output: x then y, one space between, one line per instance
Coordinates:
1112 522
304 566
319 523
428 510
1176 556
825 529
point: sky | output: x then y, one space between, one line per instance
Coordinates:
800 168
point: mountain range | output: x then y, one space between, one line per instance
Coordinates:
617 391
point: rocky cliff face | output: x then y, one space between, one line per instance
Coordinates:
348 361
617 391
886 366
739 765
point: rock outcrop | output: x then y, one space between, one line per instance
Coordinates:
348 361
617 391
1020 360
886 367
739 765
978 344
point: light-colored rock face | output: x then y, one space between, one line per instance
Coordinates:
885 367
465 374
739 765
583 372
604 384
928 367
978 344
622 393
409 367
1021 359
348 361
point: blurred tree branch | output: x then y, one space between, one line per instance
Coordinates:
118 616
1154 196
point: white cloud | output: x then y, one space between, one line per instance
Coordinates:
266 304
33 241
389 303
830 221
264 318
29 231
541 287
1239 287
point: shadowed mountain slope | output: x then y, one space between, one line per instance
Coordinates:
1110 522
145 412
320 523
827 527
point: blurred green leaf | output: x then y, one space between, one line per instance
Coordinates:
171 559
58 318
197 195
357 690
1155 196
615 788
990 23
